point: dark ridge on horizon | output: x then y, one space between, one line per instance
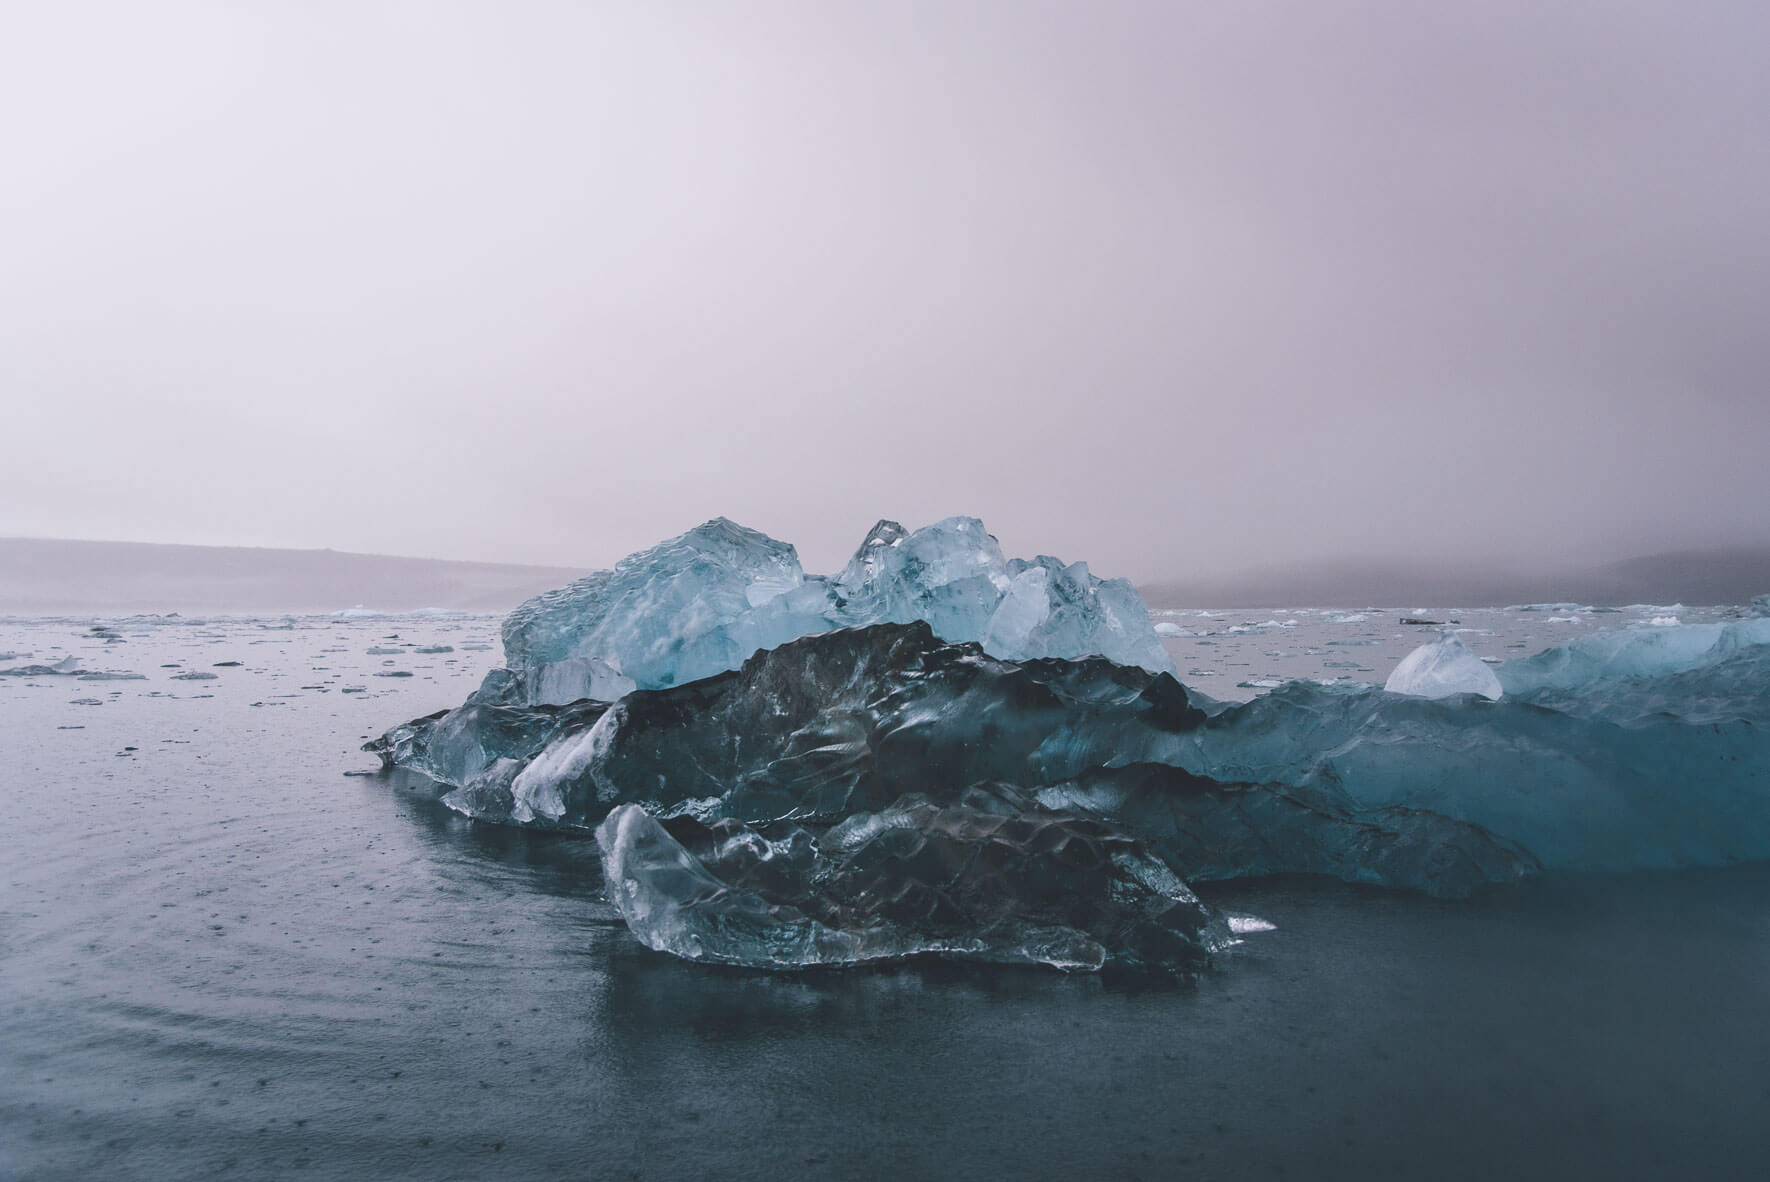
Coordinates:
1696 577
52 576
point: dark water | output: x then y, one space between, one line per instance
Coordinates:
221 957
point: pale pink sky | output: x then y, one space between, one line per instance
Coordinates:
1176 287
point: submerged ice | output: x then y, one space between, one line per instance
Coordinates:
938 750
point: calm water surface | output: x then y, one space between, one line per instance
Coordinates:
219 956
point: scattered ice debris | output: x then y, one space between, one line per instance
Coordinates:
394 673
432 649
1446 666
1166 628
195 675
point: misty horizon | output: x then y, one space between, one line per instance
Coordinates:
1168 288
68 575
1348 561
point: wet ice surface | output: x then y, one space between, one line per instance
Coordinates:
219 955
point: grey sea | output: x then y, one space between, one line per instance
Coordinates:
223 954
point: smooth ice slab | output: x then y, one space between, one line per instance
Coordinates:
701 603
1444 667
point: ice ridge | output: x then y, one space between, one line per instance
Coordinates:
701 603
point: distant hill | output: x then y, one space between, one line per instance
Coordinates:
1695 577
52 576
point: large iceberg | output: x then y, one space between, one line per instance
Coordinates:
699 604
941 751
846 722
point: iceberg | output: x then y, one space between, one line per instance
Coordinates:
701 603
943 751
1444 667
1439 795
847 722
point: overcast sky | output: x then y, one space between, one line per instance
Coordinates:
1176 287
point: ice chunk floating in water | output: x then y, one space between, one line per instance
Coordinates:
841 794
699 604
1444 667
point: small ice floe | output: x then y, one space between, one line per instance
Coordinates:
1446 666
66 667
